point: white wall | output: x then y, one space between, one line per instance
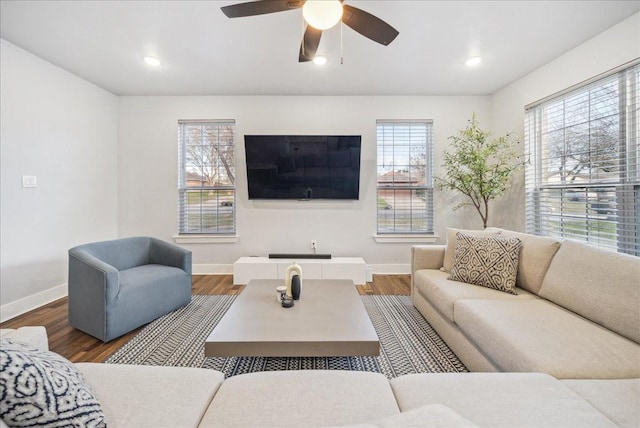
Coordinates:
147 161
63 130
612 48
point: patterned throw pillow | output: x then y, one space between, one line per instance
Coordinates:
487 261
41 388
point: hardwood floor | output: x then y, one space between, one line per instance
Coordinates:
80 347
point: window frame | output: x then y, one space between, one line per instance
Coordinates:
422 214
224 195
601 209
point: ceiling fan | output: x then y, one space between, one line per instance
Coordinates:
363 22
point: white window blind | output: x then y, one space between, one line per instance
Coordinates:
583 179
404 171
206 182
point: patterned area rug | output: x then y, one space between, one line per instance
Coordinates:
408 344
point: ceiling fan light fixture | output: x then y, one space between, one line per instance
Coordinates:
152 61
473 62
319 60
322 14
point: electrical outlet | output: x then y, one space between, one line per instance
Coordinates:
29 181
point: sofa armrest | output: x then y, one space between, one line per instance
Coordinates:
86 270
168 254
427 257
93 285
34 336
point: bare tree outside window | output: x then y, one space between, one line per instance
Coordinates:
210 154
207 177
584 181
583 135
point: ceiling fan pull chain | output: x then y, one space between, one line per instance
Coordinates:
341 49
304 29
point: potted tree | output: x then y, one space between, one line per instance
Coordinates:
479 167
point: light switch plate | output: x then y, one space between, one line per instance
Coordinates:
29 181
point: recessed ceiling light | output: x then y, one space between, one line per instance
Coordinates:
472 62
152 61
319 60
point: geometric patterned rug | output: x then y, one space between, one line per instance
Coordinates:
408 344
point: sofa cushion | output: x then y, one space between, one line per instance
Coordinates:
619 399
152 396
432 416
264 399
538 336
449 253
600 285
41 388
535 257
488 261
443 293
500 399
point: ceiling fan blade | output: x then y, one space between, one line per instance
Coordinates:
368 25
310 43
260 7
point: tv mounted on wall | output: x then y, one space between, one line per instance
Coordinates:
303 167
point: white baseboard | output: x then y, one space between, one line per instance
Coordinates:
211 269
26 304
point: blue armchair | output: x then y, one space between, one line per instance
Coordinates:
116 286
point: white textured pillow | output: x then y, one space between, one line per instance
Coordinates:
488 261
41 388
449 252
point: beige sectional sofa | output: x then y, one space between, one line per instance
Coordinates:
576 314
149 396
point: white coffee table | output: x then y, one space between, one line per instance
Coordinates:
328 320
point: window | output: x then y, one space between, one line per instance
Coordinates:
206 182
404 187
583 180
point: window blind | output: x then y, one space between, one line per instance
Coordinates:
206 179
404 177
583 179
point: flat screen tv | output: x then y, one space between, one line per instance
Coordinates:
303 167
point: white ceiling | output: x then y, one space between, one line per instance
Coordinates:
206 53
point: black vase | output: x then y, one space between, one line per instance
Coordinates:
295 287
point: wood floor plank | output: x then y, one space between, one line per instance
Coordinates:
80 347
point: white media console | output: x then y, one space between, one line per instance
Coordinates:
247 268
